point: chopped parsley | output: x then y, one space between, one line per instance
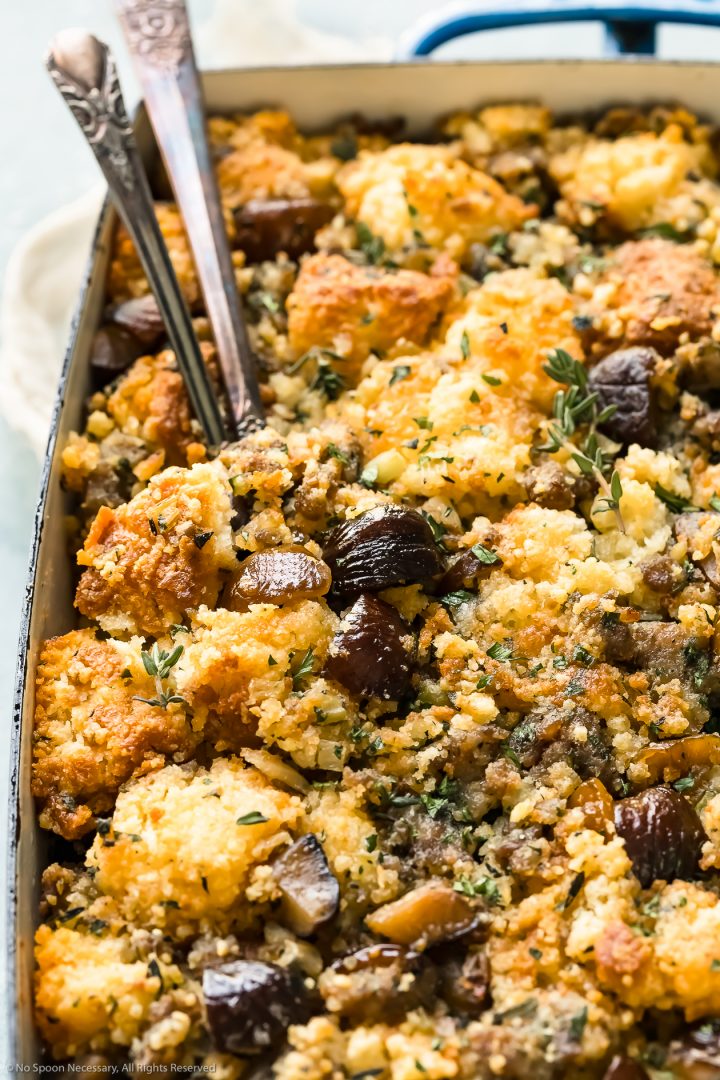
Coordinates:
677 503
304 668
372 247
399 372
501 650
485 555
577 1025
254 817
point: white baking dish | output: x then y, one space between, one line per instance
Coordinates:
420 91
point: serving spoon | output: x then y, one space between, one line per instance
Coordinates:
158 35
84 72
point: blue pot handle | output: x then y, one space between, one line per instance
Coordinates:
630 26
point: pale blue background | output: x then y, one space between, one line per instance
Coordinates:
45 164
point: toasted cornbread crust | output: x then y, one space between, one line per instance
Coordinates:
500 762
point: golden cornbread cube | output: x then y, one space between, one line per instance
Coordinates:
184 842
233 661
673 967
634 181
510 324
366 877
93 992
260 171
653 292
266 127
354 310
126 277
440 429
157 557
412 193
264 157
498 127
150 402
92 732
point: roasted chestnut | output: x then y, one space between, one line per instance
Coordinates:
467 569
624 1068
674 758
249 1005
379 983
369 655
112 352
595 801
141 317
264 227
310 892
278 576
622 380
388 545
696 1056
430 913
663 835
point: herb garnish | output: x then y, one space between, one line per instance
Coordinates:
399 372
667 231
372 247
571 408
485 555
158 663
484 886
577 1025
253 818
304 668
677 503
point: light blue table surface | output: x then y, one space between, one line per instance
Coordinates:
45 164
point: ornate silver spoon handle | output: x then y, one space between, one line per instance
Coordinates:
158 34
84 72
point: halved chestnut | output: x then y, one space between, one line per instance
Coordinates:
388 545
663 835
278 576
430 913
467 569
378 983
622 380
264 227
310 892
249 1005
674 758
141 317
112 352
369 655
595 801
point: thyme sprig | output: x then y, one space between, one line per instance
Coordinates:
574 407
158 663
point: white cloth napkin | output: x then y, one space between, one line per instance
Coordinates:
44 272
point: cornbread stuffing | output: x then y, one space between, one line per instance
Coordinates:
387 743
